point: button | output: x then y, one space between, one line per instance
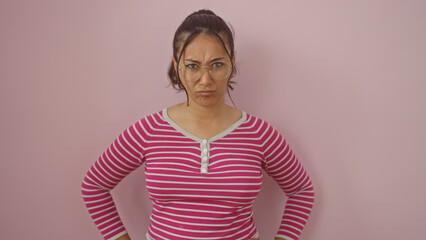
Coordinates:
204 141
203 170
204 158
205 150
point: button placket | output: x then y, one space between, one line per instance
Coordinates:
205 152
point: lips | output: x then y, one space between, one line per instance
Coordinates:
206 92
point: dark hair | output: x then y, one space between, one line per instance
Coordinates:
202 21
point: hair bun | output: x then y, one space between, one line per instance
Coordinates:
204 11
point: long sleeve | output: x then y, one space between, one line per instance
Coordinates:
284 167
122 157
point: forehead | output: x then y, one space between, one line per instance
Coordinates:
204 47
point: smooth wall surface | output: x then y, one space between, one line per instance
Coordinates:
344 81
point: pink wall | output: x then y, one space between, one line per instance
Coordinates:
344 81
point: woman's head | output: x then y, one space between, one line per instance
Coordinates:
203 22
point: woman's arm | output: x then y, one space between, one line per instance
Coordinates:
284 167
122 157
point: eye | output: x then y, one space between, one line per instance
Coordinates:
218 64
191 66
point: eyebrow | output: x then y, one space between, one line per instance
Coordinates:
214 59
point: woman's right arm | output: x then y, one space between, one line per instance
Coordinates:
123 156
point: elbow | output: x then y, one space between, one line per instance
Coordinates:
88 187
84 186
311 190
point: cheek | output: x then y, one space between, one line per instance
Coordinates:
186 85
224 86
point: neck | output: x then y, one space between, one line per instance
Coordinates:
209 113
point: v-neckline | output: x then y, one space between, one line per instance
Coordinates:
198 139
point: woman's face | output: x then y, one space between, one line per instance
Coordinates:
202 52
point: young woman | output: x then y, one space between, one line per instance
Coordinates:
203 158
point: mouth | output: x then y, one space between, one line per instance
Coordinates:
206 92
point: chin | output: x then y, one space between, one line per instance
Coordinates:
209 102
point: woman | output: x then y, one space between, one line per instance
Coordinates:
203 158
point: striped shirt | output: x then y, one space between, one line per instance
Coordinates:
200 188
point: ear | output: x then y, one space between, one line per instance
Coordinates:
174 64
233 63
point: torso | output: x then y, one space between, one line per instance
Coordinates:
202 186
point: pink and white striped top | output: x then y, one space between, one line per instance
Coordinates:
200 189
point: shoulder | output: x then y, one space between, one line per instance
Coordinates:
151 120
253 119
256 123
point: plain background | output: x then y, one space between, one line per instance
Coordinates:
343 81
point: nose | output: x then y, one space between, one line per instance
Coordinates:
206 76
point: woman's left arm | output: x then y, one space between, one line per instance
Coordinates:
284 167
